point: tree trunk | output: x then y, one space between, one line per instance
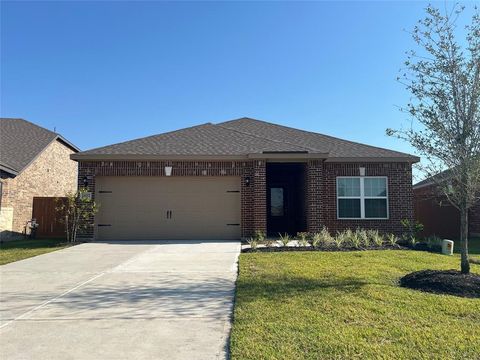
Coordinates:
465 265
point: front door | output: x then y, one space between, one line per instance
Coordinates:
279 217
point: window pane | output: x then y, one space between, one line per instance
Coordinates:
376 208
375 187
349 208
348 187
276 201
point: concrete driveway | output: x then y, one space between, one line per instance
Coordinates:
120 300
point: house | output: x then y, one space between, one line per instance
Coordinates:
34 162
438 216
228 180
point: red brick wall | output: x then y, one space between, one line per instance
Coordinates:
440 217
321 188
400 195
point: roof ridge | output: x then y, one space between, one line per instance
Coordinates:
263 138
316 133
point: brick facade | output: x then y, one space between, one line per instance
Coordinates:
439 216
320 185
51 174
400 195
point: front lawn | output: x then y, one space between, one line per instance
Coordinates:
11 251
348 305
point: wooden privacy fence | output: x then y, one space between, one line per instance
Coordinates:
49 220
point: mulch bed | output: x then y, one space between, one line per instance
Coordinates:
324 248
450 282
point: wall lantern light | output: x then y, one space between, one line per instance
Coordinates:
168 171
247 181
362 171
85 181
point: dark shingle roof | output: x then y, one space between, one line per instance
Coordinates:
241 137
21 142
335 147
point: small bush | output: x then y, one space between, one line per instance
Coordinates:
391 239
375 237
259 236
340 239
325 238
363 238
434 243
253 242
355 240
284 239
316 240
302 239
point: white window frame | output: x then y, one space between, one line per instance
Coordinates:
362 197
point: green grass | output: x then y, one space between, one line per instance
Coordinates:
334 305
11 251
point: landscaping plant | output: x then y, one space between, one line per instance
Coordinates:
315 240
302 239
253 242
284 239
77 210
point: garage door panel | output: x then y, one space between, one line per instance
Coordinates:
200 208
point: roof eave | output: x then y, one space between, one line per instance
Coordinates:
9 170
384 159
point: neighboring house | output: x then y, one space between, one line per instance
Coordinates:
228 180
438 216
34 162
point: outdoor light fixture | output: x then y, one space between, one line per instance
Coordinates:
362 171
168 170
247 181
85 181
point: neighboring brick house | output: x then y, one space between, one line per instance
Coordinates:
438 216
228 180
34 162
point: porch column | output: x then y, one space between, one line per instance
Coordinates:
314 195
260 196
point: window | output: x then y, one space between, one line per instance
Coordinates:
276 202
362 198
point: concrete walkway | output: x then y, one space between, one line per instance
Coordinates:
120 300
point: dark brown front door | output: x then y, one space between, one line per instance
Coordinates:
49 220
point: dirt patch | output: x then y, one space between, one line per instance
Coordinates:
450 282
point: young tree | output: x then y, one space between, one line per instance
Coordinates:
444 82
76 210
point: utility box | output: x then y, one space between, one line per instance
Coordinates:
447 247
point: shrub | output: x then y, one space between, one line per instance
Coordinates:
316 239
375 237
392 239
434 243
253 242
284 239
363 238
340 239
411 231
355 240
325 238
259 236
302 241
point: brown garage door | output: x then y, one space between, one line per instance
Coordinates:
141 208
